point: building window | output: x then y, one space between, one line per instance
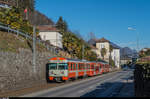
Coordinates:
102 46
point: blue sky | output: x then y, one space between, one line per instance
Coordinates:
106 18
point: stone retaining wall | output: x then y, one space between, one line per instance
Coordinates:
16 69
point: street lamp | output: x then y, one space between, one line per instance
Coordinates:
133 29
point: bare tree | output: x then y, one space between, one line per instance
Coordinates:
90 36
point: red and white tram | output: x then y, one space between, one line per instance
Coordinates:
63 69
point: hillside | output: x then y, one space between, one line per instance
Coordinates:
10 42
39 19
127 52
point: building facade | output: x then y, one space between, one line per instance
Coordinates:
110 51
115 54
100 44
51 34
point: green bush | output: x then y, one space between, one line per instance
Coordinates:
14 19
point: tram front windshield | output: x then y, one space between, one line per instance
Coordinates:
58 66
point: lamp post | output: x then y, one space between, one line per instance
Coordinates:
133 29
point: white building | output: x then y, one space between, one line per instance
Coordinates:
114 54
51 34
94 49
103 43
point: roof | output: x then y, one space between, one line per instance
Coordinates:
102 40
145 49
45 28
114 46
145 59
76 60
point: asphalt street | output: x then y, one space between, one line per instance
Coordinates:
106 85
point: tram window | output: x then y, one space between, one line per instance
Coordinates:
80 67
62 66
92 66
76 66
97 68
88 66
100 66
83 66
52 66
73 66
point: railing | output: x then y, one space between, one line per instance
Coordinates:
10 30
9 3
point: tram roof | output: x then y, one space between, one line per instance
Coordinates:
78 60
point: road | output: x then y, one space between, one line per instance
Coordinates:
107 85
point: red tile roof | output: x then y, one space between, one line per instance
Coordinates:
47 28
144 59
102 40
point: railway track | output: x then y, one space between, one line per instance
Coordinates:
39 87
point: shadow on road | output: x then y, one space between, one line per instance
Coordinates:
113 89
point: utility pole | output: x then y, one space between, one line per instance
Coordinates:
138 42
17 3
130 28
82 51
34 50
34 43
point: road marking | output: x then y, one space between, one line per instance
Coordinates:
91 87
81 91
98 84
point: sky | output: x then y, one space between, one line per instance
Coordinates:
105 18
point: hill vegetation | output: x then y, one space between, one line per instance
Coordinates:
73 44
12 43
17 19
13 18
33 16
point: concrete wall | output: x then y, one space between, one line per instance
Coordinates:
16 69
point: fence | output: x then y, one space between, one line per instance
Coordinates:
24 34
